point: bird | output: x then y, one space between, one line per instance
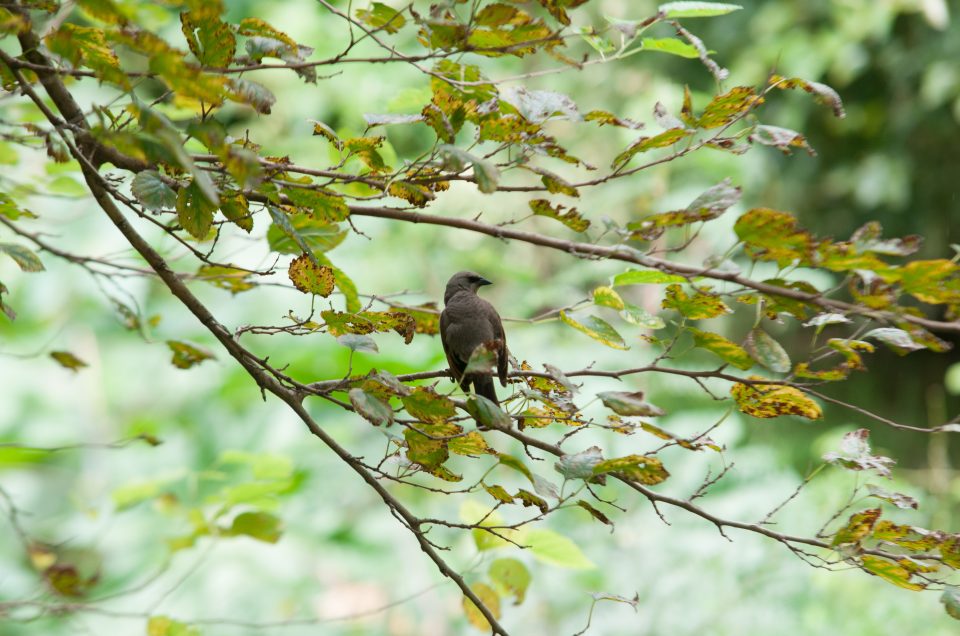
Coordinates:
468 321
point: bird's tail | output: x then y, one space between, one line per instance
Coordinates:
483 385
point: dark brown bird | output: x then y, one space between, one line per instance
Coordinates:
467 322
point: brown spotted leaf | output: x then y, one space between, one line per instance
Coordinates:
309 277
772 400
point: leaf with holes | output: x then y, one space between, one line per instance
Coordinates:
571 218
195 211
855 454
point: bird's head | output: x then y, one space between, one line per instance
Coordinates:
464 281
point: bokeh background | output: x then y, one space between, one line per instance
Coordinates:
893 159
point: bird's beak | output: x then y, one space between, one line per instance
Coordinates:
482 282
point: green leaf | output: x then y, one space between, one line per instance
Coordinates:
498 493
643 144
553 548
767 351
673 46
472 444
195 211
257 27
769 235
729 107
607 297
252 93
186 355
487 413
324 205
596 514
598 329
715 343
482 360
528 499
261 526
380 16
475 513
166 626
675 10
300 230
10 209
516 464
951 601
208 37
129 495
709 205
230 278
641 468
510 577
646 277
858 527
427 451
627 403
485 173
641 317
67 360
152 192
427 405
371 408
22 256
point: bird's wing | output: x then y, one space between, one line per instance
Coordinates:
501 339
456 365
